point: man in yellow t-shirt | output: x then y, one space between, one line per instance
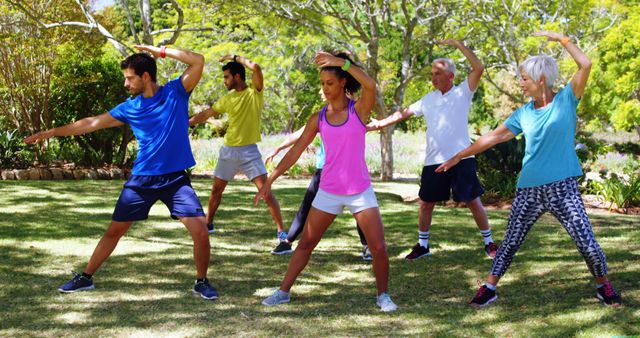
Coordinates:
243 106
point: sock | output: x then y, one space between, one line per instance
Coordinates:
200 280
86 275
280 292
599 286
423 238
490 286
486 235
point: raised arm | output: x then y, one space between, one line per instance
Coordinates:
290 158
477 68
364 105
195 62
486 141
202 116
293 138
80 127
256 77
394 118
579 79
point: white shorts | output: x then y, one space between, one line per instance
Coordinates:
333 204
246 159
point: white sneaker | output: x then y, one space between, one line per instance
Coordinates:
278 297
385 303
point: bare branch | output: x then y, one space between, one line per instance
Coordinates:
92 23
179 24
132 26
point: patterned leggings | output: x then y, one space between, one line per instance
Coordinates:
563 200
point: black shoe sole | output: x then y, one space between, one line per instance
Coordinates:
86 288
198 294
475 305
422 256
605 304
280 253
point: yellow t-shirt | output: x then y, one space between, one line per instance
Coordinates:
244 110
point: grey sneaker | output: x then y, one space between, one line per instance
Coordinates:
385 303
278 297
366 254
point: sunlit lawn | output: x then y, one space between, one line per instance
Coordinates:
49 228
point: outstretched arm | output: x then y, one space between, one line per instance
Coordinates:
394 118
256 78
486 141
192 74
310 131
477 68
202 116
369 91
293 138
83 126
579 79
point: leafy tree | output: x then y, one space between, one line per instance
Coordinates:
615 96
396 37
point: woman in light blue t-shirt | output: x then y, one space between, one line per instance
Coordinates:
550 165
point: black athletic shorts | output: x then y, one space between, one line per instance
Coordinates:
461 180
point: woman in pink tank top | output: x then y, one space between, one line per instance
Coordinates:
345 178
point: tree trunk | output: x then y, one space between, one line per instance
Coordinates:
127 136
386 151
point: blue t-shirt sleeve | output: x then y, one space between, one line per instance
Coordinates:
568 98
513 122
176 85
119 112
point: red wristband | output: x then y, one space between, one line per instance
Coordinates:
163 51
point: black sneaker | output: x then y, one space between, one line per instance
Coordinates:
283 248
77 283
491 249
484 297
418 251
211 228
608 295
205 290
366 254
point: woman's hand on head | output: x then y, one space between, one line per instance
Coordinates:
324 59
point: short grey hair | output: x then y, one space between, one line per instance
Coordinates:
539 65
449 65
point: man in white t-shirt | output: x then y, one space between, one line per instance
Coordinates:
446 112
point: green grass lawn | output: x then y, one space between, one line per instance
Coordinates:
49 228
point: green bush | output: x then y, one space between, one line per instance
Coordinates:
295 171
499 166
13 151
619 192
88 86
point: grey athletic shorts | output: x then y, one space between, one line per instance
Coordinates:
246 159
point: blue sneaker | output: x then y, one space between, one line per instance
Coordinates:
282 235
77 283
205 290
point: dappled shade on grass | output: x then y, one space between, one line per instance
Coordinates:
50 228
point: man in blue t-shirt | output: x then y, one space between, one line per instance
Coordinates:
159 118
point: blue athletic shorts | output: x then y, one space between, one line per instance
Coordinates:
141 192
461 180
